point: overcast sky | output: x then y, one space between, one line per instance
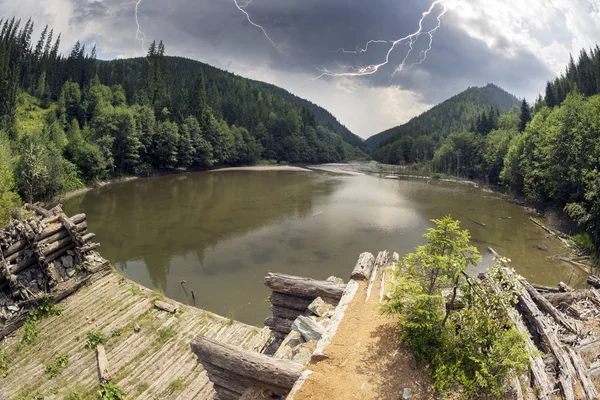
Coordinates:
516 44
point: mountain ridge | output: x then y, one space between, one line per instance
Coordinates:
475 99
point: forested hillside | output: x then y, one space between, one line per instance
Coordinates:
453 115
69 120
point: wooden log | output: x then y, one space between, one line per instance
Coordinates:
572 311
103 370
547 307
383 258
287 313
50 234
567 297
536 319
261 368
537 364
162 305
364 266
225 394
38 210
545 289
303 287
336 319
588 344
236 382
279 324
594 281
588 387
256 394
289 301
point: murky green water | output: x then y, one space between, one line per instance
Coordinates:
222 232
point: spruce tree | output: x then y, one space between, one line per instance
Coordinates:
525 116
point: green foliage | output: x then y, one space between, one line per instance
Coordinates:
110 391
60 362
176 385
4 359
117 332
165 334
30 327
94 338
474 349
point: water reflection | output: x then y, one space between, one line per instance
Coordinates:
222 232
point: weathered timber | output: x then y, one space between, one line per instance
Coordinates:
289 301
255 394
572 311
261 368
589 344
287 313
364 267
537 364
162 305
103 371
225 394
282 325
536 319
336 319
383 258
567 297
52 233
303 287
546 306
286 347
38 210
545 289
594 281
237 383
586 382
563 287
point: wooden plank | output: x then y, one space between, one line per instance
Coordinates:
382 259
287 313
162 305
237 382
289 301
547 307
303 287
588 387
282 325
364 266
336 319
261 368
103 370
567 297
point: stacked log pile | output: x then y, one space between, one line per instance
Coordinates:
292 296
561 326
45 255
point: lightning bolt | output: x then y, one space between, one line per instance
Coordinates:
410 40
139 35
242 8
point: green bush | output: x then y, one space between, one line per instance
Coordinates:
584 241
110 391
94 338
473 350
60 362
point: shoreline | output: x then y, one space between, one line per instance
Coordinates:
287 168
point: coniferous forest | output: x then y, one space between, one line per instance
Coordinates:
70 120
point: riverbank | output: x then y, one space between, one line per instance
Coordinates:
96 185
286 168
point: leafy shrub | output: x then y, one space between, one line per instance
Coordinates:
4 363
94 338
584 241
110 391
60 362
30 327
473 350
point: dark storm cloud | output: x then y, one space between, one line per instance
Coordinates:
310 31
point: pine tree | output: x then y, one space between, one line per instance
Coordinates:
525 116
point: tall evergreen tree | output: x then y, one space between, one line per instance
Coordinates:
525 115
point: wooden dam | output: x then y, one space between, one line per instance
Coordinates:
317 336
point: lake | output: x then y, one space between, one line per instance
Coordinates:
222 232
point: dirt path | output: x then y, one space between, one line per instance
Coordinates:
367 358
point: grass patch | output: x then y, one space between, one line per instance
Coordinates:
4 359
29 392
60 362
165 334
117 332
141 388
30 327
110 391
135 291
176 385
94 338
